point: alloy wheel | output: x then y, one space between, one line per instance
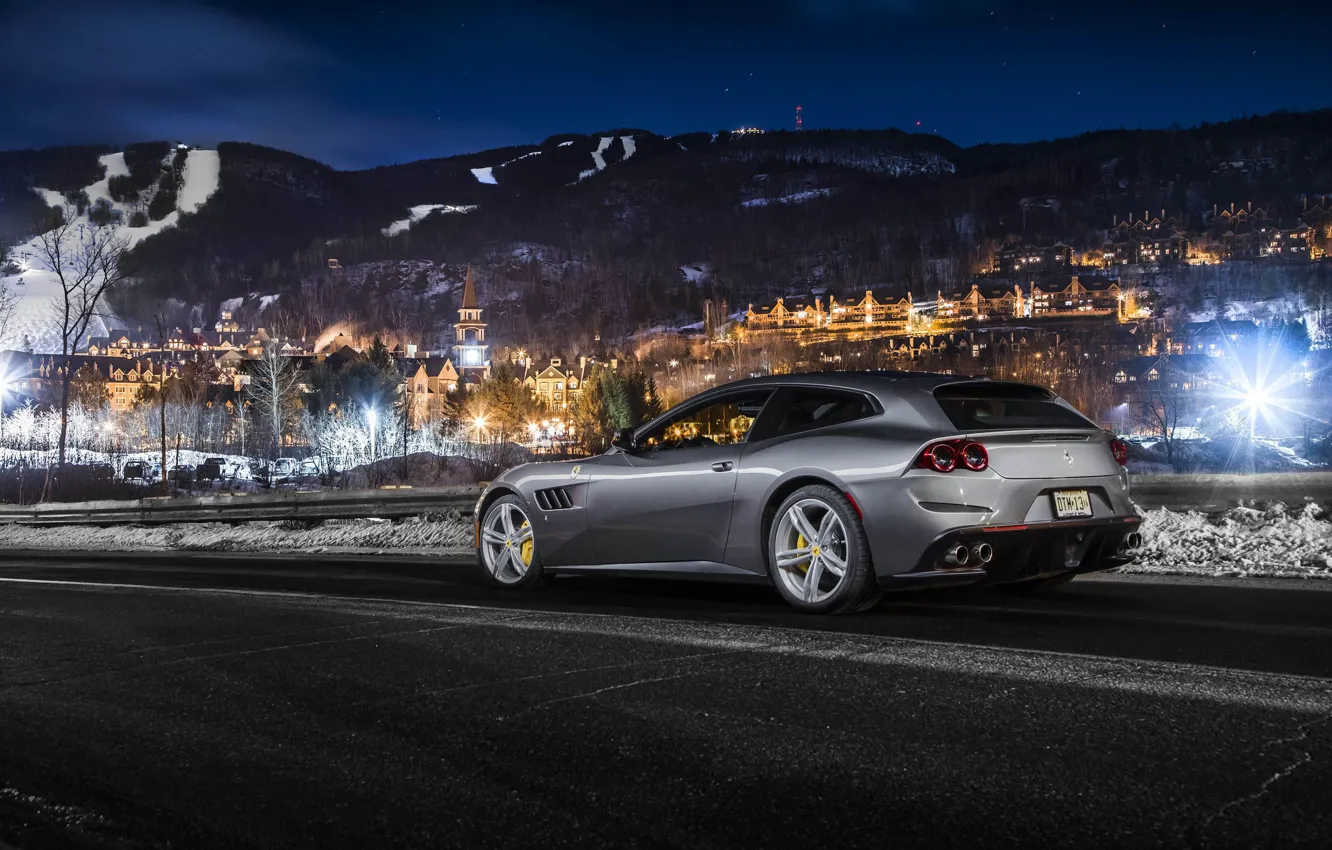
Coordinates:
811 550
507 545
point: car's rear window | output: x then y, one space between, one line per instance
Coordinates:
999 407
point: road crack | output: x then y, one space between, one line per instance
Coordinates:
1304 757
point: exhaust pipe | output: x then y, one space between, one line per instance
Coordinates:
957 556
1132 542
982 552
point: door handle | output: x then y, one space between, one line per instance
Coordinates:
723 466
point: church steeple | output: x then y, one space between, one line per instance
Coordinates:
469 293
470 335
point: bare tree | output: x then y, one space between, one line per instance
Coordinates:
8 304
86 260
275 395
1165 405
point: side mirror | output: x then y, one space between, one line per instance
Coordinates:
624 441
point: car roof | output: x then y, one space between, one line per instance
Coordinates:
875 382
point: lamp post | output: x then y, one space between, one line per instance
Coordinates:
4 388
372 415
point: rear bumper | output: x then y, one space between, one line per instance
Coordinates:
1021 552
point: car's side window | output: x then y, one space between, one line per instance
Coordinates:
726 421
805 409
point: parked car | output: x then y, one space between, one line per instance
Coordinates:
182 475
212 469
137 471
831 487
281 471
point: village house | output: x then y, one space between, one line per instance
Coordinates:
428 381
1075 295
1015 260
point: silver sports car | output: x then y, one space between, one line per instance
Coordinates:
834 487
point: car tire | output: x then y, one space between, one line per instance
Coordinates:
509 560
856 589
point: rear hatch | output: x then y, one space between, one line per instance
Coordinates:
1028 431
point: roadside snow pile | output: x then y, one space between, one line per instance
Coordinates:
447 534
1277 541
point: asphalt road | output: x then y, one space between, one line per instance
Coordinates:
183 701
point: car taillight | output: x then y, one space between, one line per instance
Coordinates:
975 457
947 456
1120 451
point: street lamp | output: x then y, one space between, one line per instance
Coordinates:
4 388
371 415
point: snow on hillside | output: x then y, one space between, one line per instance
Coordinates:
487 175
794 198
202 172
599 155
35 318
420 212
696 273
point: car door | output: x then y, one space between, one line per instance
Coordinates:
669 501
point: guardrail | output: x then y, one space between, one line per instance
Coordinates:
322 505
1178 492
1210 493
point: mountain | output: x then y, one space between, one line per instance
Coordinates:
625 228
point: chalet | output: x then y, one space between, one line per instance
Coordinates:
428 381
787 313
1216 339
1032 259
1074 295
854 312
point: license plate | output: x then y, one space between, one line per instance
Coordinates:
1072 503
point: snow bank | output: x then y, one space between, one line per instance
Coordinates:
1277 541
448 534
1243 542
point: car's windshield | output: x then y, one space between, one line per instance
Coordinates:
994 407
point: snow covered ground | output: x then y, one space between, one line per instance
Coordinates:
38 289
1243 542
599 155
449 535
420 212
788 199
1277 541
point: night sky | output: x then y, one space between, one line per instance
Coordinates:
379 83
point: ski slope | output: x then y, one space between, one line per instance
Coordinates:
38 289
419 213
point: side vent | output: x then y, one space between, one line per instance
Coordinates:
554 499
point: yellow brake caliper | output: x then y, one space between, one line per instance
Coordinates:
800 544
527 546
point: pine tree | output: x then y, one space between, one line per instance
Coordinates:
651 401
379 354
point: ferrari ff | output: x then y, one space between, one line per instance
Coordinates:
833 487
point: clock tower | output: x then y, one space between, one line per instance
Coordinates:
469 345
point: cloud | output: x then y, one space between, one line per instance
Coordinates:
126 71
